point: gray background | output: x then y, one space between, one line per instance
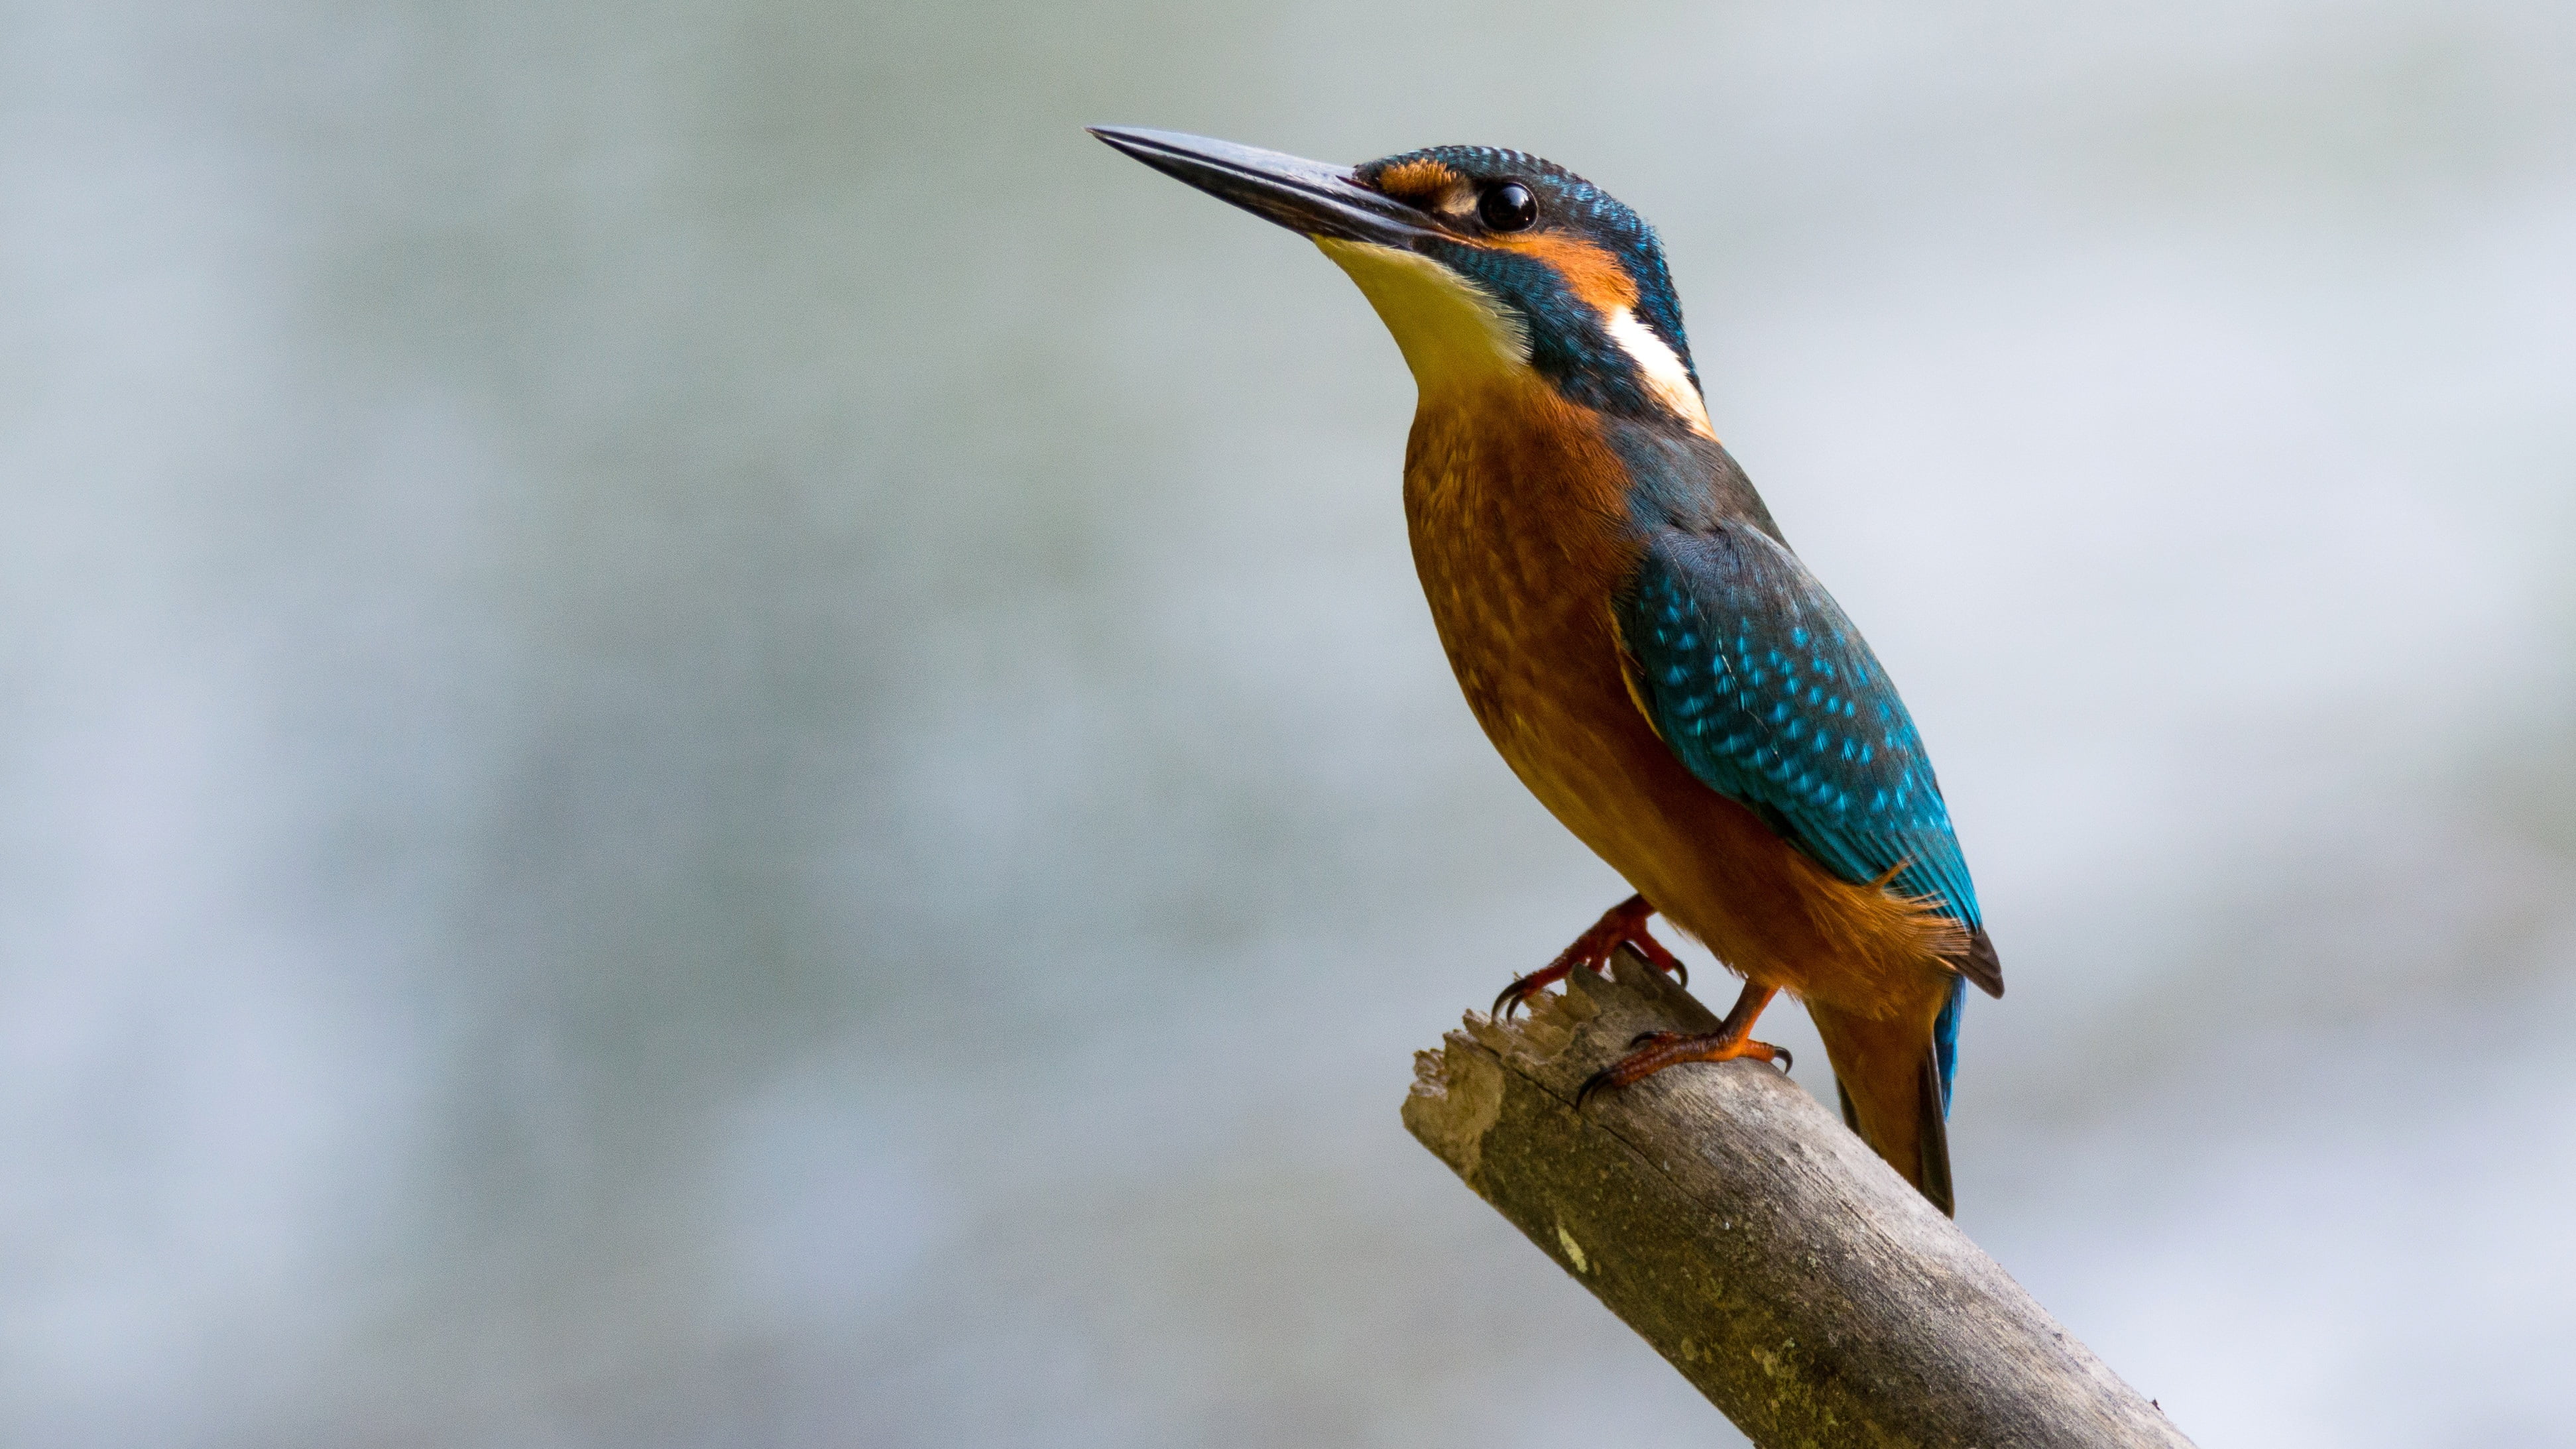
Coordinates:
713 738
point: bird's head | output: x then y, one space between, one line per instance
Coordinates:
1487 265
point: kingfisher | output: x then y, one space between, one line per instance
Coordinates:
1633 631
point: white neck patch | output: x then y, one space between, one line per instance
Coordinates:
1662 369
1453 333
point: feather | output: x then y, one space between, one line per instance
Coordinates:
1757 681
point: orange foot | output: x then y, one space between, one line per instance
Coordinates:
1622 925
1657 1050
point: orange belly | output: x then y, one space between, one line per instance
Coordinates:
1518 516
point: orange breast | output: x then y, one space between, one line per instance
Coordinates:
1518 516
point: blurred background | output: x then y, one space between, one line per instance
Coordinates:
714 738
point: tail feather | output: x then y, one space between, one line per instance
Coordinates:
1945 1040
1932 1138
1888 1075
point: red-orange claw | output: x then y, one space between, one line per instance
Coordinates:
1655 1050
1622 925
1659 957
1515 996
1761 1050
1592 1084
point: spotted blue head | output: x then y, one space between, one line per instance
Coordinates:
1489 266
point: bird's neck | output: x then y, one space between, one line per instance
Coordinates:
1457 340
1462 342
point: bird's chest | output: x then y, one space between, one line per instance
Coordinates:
1517 513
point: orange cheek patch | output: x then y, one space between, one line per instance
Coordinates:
1593 275
1416 181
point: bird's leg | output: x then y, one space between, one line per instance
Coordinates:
1657 1050
1622 925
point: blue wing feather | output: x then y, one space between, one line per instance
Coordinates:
1759 683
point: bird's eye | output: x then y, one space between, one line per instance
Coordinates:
1508 207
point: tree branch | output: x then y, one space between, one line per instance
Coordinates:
1724 1215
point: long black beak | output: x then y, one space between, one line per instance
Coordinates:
1314 198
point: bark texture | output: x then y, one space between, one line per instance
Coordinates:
1736 1225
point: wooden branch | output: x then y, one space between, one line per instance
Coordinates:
1734 1222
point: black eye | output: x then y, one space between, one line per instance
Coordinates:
1507 207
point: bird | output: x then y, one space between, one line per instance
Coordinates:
1632 630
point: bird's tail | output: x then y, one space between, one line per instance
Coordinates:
1889 1075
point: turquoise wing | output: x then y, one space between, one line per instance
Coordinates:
1761 686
